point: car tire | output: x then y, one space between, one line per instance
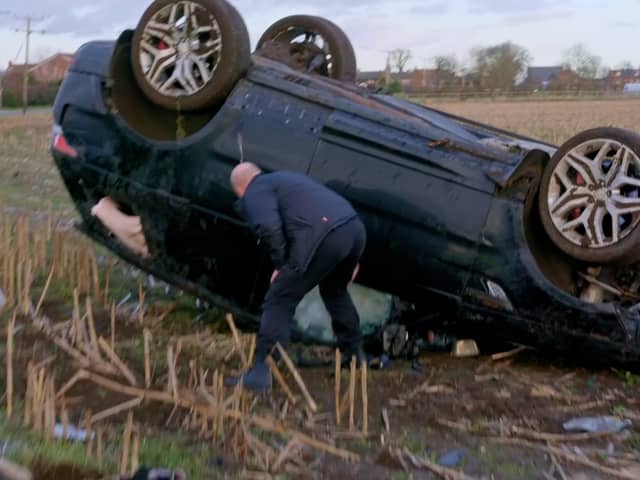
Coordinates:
589 198
339 60
213 48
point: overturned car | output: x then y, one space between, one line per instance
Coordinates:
480 229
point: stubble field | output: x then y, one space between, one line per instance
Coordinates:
551 121
493 419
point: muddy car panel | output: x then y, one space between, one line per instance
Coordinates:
447 202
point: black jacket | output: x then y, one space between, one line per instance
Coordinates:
292 214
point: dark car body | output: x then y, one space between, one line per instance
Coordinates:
447 203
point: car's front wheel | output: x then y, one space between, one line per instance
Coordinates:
590 197
188 55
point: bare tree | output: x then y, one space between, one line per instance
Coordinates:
447 67
500 66
625 65
399 58
583 62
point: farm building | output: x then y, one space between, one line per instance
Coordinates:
617 79
44 79
632 89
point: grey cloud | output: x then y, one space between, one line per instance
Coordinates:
109 16
622 24
104 18
60 18
536 17
342 8
509 6
434 8
58 15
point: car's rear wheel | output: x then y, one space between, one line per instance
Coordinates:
188 55
310 44
590 197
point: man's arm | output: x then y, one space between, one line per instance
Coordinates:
261 208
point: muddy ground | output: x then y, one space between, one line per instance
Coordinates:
497 417
477 409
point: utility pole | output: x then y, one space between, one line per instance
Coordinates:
25 81
3 12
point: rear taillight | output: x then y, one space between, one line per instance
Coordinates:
60 144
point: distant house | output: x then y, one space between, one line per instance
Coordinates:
539 78
631 89
423 80
404 78
435 80
375 79
470 81
370 79
52 69
617 79
567 79
44 78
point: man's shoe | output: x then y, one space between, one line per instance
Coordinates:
257 379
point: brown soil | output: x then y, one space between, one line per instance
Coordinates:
527 391
44 471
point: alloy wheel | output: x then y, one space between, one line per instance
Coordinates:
594 193
181 49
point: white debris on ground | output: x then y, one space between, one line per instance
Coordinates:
596 424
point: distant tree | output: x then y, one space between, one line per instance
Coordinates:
447 63
583 62
500 66
390 85
446 69
625 65
395 87
399 58
10 100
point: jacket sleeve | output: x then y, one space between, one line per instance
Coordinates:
262 212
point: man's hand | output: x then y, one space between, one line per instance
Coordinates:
355 273
275 275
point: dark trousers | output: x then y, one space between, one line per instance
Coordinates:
331 268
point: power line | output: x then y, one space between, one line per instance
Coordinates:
15 59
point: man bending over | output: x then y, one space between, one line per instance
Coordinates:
314 237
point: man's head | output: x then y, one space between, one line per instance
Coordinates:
241 177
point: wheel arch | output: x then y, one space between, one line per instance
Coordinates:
523 181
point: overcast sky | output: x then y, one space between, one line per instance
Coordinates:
426 27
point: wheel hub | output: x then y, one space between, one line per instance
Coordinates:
307 50
602 194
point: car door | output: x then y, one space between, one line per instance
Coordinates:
423 209
257 124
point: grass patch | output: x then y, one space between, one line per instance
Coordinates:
171 451
501 462
27 448
30 179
